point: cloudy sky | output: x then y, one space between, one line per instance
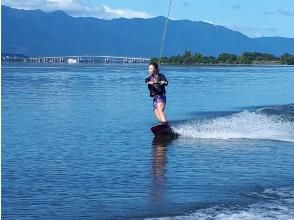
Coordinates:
254 18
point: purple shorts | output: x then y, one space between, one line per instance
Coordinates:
157 99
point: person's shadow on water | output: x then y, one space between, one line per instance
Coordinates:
159 151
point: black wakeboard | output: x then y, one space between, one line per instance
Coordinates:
163 129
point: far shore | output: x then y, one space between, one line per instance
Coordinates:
186 59
143 64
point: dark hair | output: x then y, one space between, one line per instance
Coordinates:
155 65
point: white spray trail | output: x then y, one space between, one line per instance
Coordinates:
247 125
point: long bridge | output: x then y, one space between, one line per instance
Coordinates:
87 59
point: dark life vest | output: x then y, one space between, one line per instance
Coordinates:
156 88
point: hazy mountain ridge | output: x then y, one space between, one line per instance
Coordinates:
38 33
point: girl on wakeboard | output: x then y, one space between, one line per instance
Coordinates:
156 84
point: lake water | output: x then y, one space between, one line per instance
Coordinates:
76 143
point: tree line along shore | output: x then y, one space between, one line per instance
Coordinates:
188 58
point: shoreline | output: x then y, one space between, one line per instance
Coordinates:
142 64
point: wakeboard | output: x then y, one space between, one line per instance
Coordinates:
163 129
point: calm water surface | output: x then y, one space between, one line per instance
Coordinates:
76 143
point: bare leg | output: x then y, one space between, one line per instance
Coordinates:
160 111
158 117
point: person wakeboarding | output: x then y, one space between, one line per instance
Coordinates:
156 84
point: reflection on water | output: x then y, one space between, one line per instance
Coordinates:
160 146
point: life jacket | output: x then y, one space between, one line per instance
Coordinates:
156 89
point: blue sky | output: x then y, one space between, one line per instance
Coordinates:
254 18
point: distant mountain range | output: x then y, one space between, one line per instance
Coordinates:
39 33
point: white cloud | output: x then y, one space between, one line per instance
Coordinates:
77 8
250 31
209 22
254 31
126 13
